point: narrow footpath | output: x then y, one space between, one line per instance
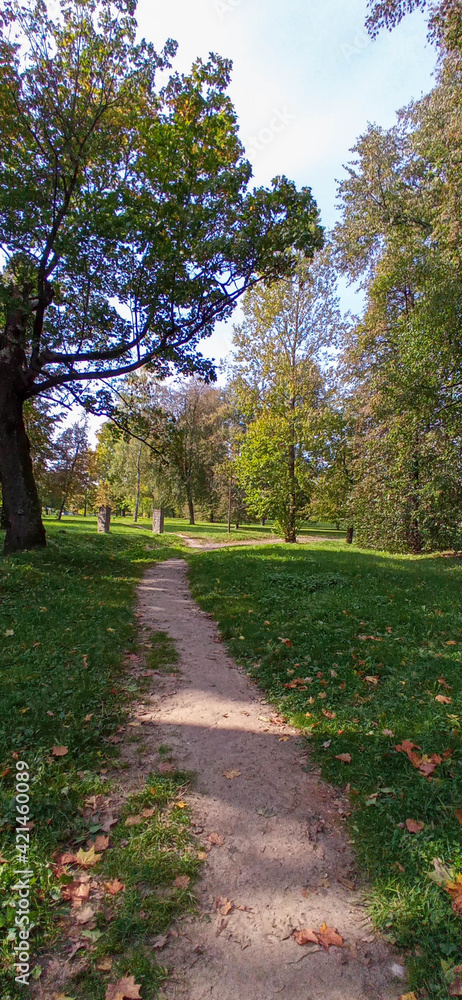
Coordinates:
279 859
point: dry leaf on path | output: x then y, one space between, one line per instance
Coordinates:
59 751
216 839
77 892
408 996
305 937
345 757
329 937
160 941
224 905
126 988
114 886
414 826
231 774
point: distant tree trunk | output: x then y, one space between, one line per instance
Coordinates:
263 522
230 504
237 525
85 506
21 504
190 507
138 486
68 482
211 517
414 536
289 534
349 534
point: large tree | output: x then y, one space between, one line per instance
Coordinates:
127 223
279 385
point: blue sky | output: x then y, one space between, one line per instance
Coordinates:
306 81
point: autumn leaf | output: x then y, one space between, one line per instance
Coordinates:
329 937
387 732
84 915
443 699
329 715
3 861
443 682
160 941
133 820
88 717
287 642
147 813
125 989
101 843
455 891
455 989
77 892
114 886
414 826
59 751
181 805
231 774
217 839
457 814
182 881
408 996
372 680
344 757
87 858
227 907
105 965
305 936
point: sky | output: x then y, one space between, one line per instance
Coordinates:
307 80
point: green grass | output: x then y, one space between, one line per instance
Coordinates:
66 620
204 530
328 601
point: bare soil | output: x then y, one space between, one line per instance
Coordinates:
281 860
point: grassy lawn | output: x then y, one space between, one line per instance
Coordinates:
66 624
205 531
362 650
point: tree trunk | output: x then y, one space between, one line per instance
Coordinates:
230 504
191 510
290 535
349 534
138 486
23 512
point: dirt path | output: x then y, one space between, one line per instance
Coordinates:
285 861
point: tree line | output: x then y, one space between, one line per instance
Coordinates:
355 420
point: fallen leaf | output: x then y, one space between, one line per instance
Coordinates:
457 814
160 941
329 937
88 717
444 683
408 996
231 774
101 843
181 805
455 891
77 892
182 881
133 820
59 751
329 715
87 858
227 907
3 861
126 989
85 914
305 936
443 699
455 989
218 840
287 642
345 757
108 822
147 813
387 732
414 826
114 886
105 965
372 680
9 632
451 642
